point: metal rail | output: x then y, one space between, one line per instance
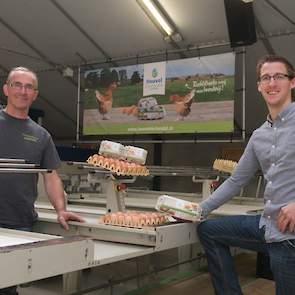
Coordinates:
20 166
24 170
17 165
201 172
5 160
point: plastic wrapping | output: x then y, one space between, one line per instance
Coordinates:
111 149
135 154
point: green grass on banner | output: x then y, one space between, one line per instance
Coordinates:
160 128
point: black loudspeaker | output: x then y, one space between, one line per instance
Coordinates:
240 22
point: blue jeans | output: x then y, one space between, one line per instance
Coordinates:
218 235
12 290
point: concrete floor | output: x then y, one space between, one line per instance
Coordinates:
196 284
201 285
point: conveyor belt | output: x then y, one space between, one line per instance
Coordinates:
160 237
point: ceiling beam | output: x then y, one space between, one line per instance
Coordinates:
280 12
262 36
44 58
83 32
2 48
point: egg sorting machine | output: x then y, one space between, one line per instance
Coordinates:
114 197
173 234
133 242
130 242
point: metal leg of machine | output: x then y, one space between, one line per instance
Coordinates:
72 282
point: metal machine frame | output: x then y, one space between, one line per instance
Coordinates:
70 254
24 256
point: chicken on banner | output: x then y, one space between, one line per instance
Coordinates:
154 78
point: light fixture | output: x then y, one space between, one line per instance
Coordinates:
68 72
159 17
157 14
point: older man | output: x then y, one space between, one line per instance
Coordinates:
22 138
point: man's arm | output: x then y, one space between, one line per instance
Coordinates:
55 192
246 168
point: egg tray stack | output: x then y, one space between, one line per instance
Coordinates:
117 166
120 159
225 165
135 219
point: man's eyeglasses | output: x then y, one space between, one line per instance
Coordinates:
19 86
279 77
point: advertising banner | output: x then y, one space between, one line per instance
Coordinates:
192 95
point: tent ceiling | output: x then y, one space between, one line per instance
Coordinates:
49 34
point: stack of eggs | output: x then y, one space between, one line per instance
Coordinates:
120 159
135 219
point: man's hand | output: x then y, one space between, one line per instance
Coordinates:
64 216
286 218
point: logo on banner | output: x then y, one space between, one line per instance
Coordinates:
154 73
154 78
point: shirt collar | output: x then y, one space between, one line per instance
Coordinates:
290 109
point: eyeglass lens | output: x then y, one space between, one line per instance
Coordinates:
20 86
275 77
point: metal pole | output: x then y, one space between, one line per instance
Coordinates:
78 104
244 94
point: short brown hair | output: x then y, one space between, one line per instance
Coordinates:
275 58
22 69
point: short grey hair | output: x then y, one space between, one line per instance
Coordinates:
22 69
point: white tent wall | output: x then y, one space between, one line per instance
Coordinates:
52 34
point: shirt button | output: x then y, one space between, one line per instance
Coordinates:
268 201
268 216
273 164
275 128
283 119
273 146
270 182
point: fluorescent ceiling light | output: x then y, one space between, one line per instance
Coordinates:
158 16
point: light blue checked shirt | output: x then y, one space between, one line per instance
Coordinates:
271 148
